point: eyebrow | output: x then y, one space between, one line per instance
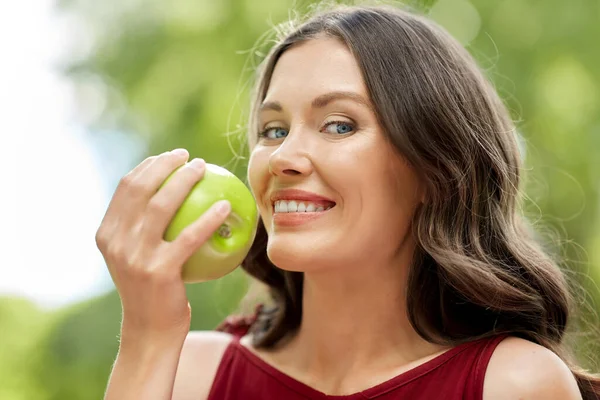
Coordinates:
322 101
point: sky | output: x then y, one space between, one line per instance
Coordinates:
54 190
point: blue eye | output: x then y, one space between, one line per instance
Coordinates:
342 127
274 133
332 127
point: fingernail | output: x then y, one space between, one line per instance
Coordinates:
223 207
197 163
179 152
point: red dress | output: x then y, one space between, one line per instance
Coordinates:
457 374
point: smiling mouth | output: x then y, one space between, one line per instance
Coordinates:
301 206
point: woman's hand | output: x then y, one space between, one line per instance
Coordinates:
145 268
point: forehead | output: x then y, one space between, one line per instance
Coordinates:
314 67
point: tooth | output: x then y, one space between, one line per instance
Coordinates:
310 207
292 206
283 207
301 207
320 209
277 206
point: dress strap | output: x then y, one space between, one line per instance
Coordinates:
238 325
477 376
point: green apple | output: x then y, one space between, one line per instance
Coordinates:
229 245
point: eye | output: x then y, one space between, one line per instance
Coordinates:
339 127
273 132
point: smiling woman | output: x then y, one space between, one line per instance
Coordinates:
386 172
423 247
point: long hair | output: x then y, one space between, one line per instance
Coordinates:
478 270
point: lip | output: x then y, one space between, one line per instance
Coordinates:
295 219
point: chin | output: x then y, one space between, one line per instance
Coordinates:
299 255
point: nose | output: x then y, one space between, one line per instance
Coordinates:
291 157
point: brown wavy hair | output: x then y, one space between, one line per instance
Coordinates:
478 269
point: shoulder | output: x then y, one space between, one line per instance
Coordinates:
198 364
520 369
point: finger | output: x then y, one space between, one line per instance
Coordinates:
112 210
141 166
196 234
135 189
165 203
151 178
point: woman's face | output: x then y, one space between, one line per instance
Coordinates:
330 189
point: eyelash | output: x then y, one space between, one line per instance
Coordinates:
262 134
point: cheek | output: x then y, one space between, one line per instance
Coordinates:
258 176
390 197
402 196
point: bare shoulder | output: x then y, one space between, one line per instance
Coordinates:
200 358
520 369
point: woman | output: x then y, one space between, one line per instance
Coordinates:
386 171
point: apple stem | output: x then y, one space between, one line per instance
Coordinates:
224 231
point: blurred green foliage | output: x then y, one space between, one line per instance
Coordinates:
175 73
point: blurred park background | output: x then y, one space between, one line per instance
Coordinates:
90 88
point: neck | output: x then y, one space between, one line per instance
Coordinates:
353 320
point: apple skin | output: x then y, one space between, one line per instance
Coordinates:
219 255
